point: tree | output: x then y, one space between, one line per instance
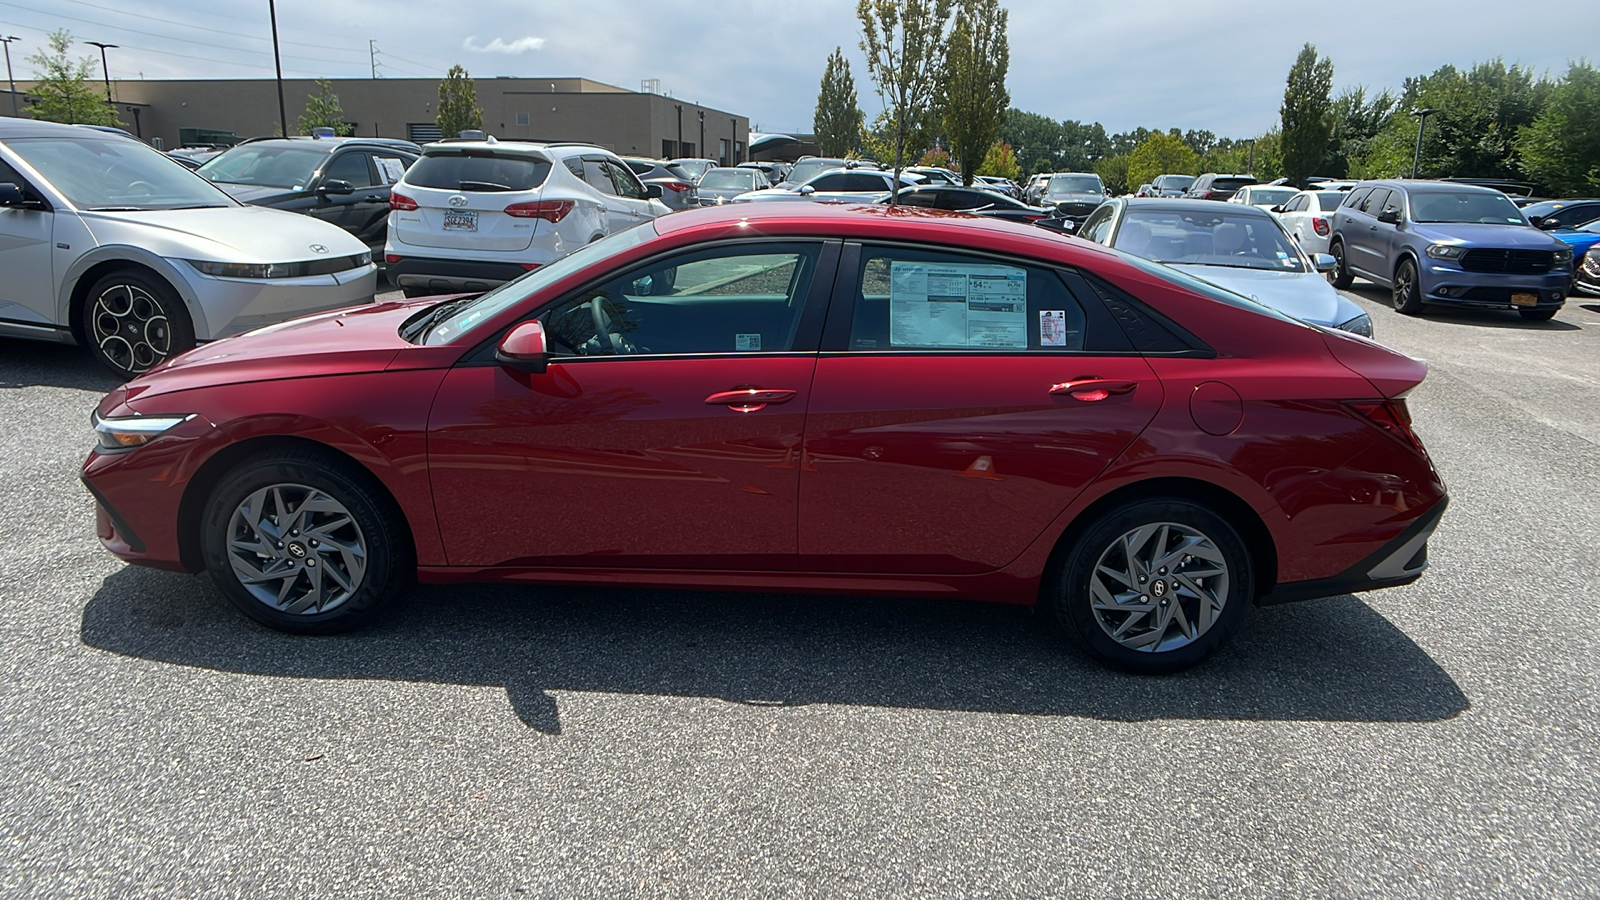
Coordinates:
323 111
1113 170
458 103
1000 162
838 120
1561 149
975 98
904 43
1161 154
62 91
1356 122
1307 114
1034 138
938 158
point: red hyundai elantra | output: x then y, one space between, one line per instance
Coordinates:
790 397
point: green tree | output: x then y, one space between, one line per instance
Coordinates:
1034 138
904 42
838 120
975 98
458 103
1113 170
1307 114
62 90
1561 149
1161 154
1000 162
323 111
1357 120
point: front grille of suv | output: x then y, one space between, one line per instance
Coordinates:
1519 262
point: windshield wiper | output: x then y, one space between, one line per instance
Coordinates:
434 316
482 186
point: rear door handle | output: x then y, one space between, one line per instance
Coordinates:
750 399
1091 388
375 198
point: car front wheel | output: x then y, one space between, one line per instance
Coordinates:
305 543
134 322
1340 277
1154 586
1407 293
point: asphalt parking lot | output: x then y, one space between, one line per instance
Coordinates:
1435 740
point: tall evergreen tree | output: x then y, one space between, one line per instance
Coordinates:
838 120
1307 114
62 92
904 41
323 111
975 98
458 103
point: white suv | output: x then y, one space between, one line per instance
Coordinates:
472 214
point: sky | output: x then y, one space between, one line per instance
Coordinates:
1218 65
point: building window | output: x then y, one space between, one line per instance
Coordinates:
423 132
669 149
738 152
724 155
522 118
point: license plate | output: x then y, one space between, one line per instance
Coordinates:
455 220
1524 299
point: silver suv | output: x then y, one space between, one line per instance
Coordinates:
472 214
107 243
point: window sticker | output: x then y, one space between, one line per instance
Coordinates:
1052 328
391 169
747 342
950 305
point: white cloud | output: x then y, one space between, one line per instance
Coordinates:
520 45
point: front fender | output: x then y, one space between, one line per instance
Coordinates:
127 253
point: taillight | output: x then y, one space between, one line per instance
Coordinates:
676 186
391 258
1393 417
401 202
1030 217
1321 226
548 210
530 266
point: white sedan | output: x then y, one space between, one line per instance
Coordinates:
1308 217
837 186
1264 196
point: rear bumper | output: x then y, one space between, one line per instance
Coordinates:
451 276
1400 561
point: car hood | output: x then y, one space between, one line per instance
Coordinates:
1580 241
242 234
342 342
257 195
1514 237
1305 295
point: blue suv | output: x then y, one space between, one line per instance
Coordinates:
1439 243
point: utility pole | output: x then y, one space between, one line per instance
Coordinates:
679 107
283 112
7 41
1422 123
733 148
703 135
372 54
104 69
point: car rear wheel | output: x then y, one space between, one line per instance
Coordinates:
1407 294
1340 277
134 321
1539 315
304 543
1154 586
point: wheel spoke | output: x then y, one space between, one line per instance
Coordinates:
296 549
1194 570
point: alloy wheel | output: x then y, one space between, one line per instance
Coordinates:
130 327
296 549
1159 587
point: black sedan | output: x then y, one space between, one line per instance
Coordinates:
974 200
340 180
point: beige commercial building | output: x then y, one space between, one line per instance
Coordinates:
552 109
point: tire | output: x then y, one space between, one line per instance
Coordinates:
366 560
1406 293
1340 277
133 321
1539 315
1095 581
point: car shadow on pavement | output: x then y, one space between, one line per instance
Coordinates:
1327 660
1486 318
36 363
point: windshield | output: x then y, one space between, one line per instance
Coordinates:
1465 206
1076 184
1206 238
744 179
465 318
1271 196
1592 227
115 174
805 170
267 165
1174 182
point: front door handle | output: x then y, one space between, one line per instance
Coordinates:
750 399
1091 388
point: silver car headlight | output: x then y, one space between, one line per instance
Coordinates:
1361 325
259 271
128 432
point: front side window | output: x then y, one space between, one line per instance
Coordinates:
350 167
116 174
927 300
1099 221
627 183
722 300
1375 201
598 175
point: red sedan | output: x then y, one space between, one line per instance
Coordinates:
828 399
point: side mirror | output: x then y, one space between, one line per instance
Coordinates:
336 187
1545 223
11 195
1389 216
1323 262
653 191
523 348
807 190
1278 208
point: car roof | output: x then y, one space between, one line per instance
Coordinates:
1178 204
1426 186
330 144
28 128
531 148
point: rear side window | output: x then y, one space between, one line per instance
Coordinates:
1356 198
478 171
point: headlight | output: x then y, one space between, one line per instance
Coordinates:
1561 257
1591 264
259 271
1445 251
127 432
241 270
1361 325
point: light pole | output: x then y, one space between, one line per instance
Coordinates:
13 82
703 135
1422 123
733 148
283 114
680 129
105 70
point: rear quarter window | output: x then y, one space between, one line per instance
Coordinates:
478 171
